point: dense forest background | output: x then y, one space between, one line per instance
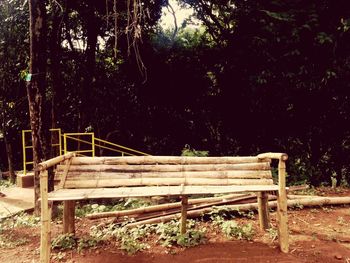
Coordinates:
253 76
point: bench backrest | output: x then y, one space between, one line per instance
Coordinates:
98 172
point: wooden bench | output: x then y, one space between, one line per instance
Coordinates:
83 178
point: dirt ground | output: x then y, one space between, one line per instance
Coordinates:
318 234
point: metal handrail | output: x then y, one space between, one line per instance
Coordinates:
63 146
24 147
120 146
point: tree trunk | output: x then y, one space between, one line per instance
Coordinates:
36 90
86 92
10 159
57 93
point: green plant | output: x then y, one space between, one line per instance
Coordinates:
169 234
84 243
5 184
11 241
123 204
60 256
273 233
232 229
188 151
19 220
64 241
130 238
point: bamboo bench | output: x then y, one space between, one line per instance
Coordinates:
82 178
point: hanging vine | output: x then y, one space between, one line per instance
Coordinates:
135 16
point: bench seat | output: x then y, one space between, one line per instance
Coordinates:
142 191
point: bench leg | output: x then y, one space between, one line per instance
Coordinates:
45 241
263 210
68 217
184 204
46 206
282 222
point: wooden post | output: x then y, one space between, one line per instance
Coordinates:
263 210
45 239
184 204
68 217
282 207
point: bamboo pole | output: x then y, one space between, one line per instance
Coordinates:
49 163
65 173
270 155
227 174
45 219
164 182
163 207
282 206
309 202
117 168
189 208
165 160
149 191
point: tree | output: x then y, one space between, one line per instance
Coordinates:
13 57
36 85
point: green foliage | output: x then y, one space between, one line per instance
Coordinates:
91 242
188 151
231 229
134 239
169 234
64 242
11 241
131 239
5 184
19 220
122 204
253 76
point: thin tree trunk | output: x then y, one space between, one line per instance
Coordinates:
36 90
86 92
10 159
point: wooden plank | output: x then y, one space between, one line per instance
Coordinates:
69 217
184 204
45 219
162 182
167 167
165 160
263 210
126 192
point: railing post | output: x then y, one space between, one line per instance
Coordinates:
93 144
24 152
60 142
64 143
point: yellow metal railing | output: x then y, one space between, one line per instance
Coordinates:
25 146
128 151
79 152
93 143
